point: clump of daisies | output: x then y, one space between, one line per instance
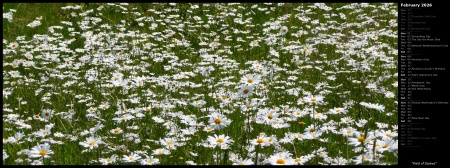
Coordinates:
35 23
9 15
375 106
5 155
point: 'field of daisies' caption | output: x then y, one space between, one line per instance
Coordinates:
200 84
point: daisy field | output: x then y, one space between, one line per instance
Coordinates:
200 84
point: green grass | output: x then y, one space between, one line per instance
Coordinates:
312 70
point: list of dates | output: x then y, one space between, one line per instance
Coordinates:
423 99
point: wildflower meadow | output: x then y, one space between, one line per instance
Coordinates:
200 84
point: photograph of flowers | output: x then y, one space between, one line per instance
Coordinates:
200 84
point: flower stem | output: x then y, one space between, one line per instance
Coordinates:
257 151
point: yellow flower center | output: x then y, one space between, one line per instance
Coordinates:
249 106
91 143
42 152
270 116
123 117
281 161
220 140
385 146
260 141
389 134
311 129
313 100
246 91
116 130
250 80
298 160
217 121
337 111
349 132
169 143
361 139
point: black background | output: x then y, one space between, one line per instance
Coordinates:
428 150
